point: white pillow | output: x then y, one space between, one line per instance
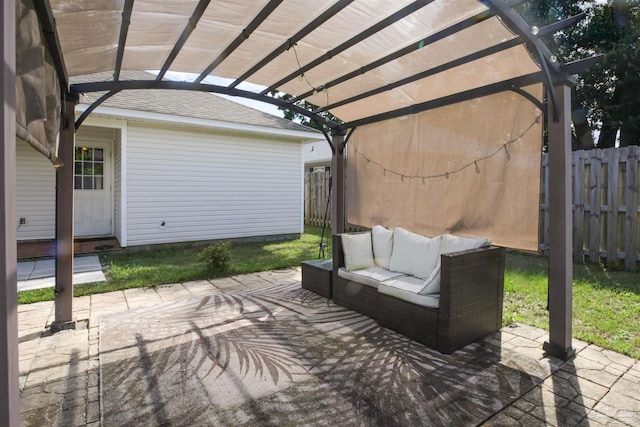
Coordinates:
432 284
451 243
414 254
382 240
358 253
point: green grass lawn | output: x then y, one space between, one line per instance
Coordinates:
606 304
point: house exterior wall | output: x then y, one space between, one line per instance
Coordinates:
35 194
194 185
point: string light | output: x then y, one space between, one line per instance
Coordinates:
302 76
447 174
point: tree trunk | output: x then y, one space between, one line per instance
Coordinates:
583 139
607 138
629 137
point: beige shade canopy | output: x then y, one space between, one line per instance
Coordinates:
370 56
428 83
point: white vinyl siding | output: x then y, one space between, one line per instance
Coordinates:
204 185
35 194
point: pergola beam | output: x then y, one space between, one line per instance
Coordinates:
516 23
375 28
255 22
113 86
469 22
186 33
122 40
478 92
319 20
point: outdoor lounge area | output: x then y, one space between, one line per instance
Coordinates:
436 113
258 349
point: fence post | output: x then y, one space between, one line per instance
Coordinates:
631 211
613 160
578 206
595 199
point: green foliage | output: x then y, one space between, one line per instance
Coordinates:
217 258
300 118
607 96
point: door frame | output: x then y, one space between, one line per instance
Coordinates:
108 173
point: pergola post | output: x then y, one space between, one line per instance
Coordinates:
560 229
64 218
9 385
337 182
337 194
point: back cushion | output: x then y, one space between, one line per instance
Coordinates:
382 240
414 254
451 243
358 253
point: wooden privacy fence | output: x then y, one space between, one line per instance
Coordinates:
606 215
605 205
316 197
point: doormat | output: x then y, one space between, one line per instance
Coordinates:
283 356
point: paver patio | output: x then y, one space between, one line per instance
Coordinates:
60 373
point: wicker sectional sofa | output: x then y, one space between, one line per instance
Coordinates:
467 304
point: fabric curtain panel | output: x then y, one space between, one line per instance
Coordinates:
454 170
37 89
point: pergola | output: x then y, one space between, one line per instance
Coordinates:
365 61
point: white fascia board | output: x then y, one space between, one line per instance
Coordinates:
194 121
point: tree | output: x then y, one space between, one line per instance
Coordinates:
606 96
611 90
302 119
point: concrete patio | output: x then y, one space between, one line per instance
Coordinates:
60 374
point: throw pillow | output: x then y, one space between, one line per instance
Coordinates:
382 240
358 253
414 254
451 243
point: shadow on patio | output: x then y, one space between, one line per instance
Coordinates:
257 349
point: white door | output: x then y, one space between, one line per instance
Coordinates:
92 195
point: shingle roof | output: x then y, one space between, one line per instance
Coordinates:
194 104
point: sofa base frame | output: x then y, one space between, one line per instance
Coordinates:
471 299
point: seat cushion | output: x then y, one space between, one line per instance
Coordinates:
406 288
370 276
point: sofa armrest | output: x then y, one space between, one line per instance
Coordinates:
471 295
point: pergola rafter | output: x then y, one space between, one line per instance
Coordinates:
191 25
244 35
319 20
122 40
392 19
467 23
